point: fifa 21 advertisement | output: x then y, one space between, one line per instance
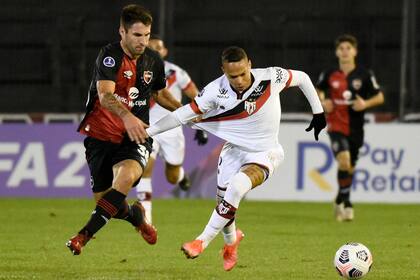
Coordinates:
49 161
43 160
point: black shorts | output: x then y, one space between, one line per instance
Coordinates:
352 143
101 156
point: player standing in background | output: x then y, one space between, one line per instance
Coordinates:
346 92
170 145
243 108
125 75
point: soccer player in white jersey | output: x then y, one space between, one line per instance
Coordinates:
170 145
243 108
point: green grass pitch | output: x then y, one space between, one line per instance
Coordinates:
282 241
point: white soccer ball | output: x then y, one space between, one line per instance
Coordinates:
353 260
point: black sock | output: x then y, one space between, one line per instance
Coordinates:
123 212
106 208
135 215
344 182
129 213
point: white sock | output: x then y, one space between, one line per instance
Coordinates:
147 205
229 233
180 174
215 225
239 185
144 194
145 185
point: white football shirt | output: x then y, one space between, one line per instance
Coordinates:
177 79
249 120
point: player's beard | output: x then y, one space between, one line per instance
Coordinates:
136 51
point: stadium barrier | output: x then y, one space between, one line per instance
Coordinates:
47 160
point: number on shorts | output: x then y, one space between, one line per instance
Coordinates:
143 152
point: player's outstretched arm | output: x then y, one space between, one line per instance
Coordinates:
165 99
178 117
302 80
191 91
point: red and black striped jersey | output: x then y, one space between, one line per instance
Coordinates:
135 80
342 90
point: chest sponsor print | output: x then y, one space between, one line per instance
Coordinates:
357 84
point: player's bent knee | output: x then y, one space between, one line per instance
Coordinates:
172 173
344 162
239 185
344 165
172 178
124 185
255 173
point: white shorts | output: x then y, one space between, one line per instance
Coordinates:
232 158
170 145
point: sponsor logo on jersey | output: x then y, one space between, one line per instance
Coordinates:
279 76
128 74
250 106
335 84
147 76
223 93
258 91
130 102
109 61
357 84
347 95
133 93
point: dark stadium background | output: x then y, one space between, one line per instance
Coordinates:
47 47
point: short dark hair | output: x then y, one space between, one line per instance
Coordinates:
346 38
134 13
155 36
233 54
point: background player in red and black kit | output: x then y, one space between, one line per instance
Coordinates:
126 75
346 92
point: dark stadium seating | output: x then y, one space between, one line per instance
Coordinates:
48 47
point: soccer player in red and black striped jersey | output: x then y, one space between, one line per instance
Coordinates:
346 92
126 75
